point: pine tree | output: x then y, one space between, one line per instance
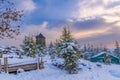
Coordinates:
107 59
51 45
117 49
85 48
105 49
69 51
52 51
66 35
41 50
70 55
57 47
29 46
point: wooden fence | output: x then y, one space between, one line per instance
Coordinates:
26 67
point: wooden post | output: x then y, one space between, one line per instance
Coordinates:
38 63
41 63
0 66
1 54
20 55
6 64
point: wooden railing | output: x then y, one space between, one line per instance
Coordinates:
30 66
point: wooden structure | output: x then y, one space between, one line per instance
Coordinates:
40 39
105 57
0 66
6 65
8 68
1 54
25 67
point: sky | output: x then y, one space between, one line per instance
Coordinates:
91 21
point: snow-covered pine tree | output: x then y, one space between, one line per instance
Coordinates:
33 49
51 45
117 49
29 46
41 50
107 59
69 51
57 47
85 48
52 51
105 49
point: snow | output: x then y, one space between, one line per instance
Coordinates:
10 55
59 60
20 70
99 54
13 60
70 47
104 53
2 49
88 71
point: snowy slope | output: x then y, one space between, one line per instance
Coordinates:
88 71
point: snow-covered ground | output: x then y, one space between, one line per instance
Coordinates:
88 71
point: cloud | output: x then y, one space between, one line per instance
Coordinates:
91 33
105 9
110 2
101 35
104 39
55 9
50 34
90 20
13 42
27 5
86 9
89 24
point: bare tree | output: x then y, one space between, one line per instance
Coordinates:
10 18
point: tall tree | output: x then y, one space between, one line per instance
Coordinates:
57 46
85 48
69 51
117 49
66 35
10 18
51 45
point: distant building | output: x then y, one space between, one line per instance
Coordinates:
40 39
105 57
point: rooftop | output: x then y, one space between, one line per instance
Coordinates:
40 36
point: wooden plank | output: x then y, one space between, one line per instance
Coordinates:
0 66
1 55
6 64
24 67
